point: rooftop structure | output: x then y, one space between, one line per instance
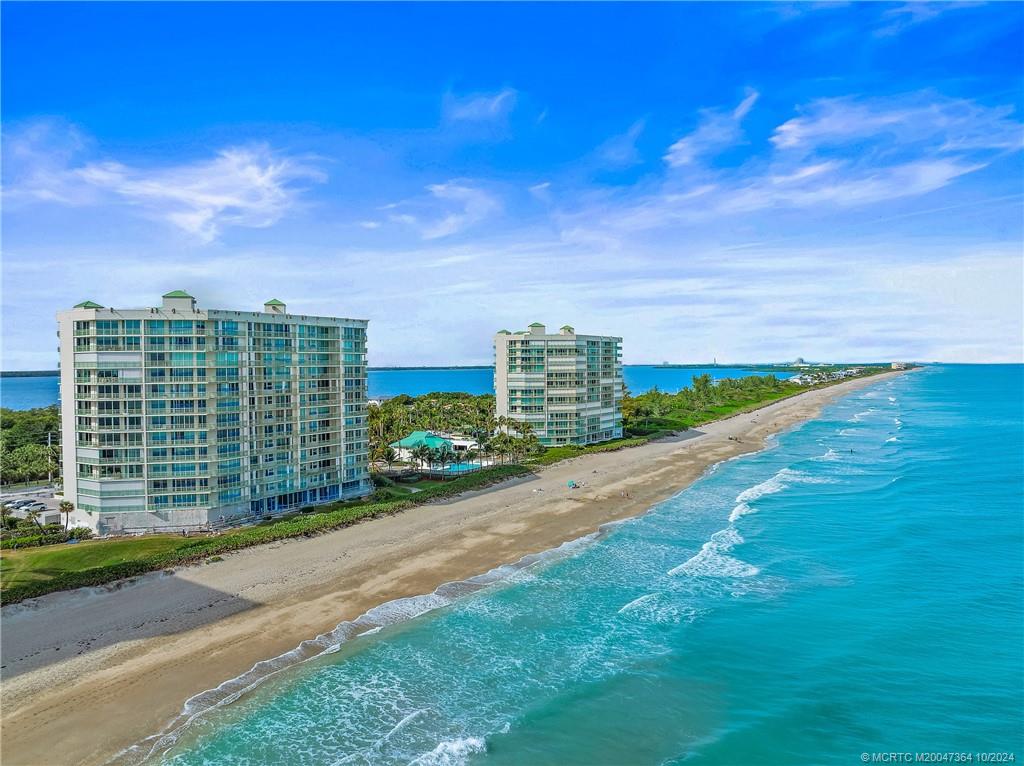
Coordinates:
421 439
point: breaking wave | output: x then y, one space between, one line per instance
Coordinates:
452 752
713 560
369 623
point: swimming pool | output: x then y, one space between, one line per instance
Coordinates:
461 468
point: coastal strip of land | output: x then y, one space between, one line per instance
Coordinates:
88 673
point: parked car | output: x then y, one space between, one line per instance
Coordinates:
36 506
15 504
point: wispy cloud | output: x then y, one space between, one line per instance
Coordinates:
836 154
449 208
37 157
248 186
716 131
935 301
242 186
895 21
620 151
948 124
479 107
541 191
473 205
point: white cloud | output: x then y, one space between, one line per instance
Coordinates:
451 208
36 158
716 131
948 124
844 185
928 300
479 107
541 191
897 20
249 186
473 205
620 151
836 154
745 105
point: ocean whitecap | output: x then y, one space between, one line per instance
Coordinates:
452 752
712 559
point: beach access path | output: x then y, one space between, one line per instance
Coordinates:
88 673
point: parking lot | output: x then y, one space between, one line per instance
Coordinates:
49 516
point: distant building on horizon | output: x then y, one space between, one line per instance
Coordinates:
180 418
567 386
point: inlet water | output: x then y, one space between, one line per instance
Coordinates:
854 588
43 391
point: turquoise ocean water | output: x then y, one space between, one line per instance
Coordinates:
856 587
42 391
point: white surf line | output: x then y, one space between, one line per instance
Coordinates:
370 622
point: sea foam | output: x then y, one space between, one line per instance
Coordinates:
369 623
777 483
452 752
712 559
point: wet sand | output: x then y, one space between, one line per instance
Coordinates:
89 673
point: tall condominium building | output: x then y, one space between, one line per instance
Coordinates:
568 387
179 418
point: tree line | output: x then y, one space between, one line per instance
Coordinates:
474 416
24 455
509 439
704 399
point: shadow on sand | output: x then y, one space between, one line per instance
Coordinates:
155 604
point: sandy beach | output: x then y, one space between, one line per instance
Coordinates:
87 674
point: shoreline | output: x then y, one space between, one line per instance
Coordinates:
132 655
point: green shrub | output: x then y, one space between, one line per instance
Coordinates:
33 541
557 454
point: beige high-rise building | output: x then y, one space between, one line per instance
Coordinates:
568 387
178 417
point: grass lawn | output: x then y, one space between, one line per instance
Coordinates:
22 566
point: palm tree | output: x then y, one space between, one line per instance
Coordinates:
420 454
389 456
502 444
445 456
523 427
532 444
470 456
66 507
33 516
486 450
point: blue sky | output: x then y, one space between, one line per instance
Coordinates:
742 181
